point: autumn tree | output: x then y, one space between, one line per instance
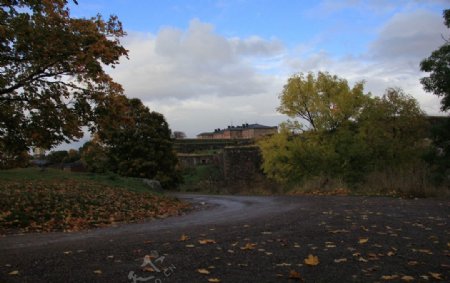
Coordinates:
349 133
52 72
322 101
137 142
438 65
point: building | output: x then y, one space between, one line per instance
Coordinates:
246 131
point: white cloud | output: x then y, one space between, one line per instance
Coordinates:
392 59
193 63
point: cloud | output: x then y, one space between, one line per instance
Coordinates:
409 36
392 59
193 63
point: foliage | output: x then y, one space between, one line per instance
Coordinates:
324 101
438 65
372 133
52 75
133 142
31 200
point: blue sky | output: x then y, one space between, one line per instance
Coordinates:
208 64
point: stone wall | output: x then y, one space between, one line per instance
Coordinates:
241 164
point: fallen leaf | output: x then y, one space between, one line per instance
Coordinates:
413 262
363 240
390 253
190 246
203 271
339 260
389 277
436 276
249 246
148 269
407 278
214 280
184 237
206 241
312 260
294 275
15 272
98 271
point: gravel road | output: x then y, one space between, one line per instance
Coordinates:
249 239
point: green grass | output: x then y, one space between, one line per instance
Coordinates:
108 179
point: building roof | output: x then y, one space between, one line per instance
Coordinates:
237 128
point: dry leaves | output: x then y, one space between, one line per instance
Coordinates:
214 280
203 271
249 246
363 240
206 241
311 260
294 275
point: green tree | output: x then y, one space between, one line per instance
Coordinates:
323 101
52 75
438 65
138 144
354 136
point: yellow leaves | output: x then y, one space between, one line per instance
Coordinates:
407 278
184 238
15 272
203 271
363 240
214 280
98 272
249 246
311 260
206 241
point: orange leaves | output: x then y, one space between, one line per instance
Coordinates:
206 241
311 260
75 204
249 246
184 238
294 275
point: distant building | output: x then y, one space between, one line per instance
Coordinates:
246 131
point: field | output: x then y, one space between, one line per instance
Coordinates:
53 200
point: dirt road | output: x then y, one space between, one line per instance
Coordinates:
249 239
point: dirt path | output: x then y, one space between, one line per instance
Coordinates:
248 239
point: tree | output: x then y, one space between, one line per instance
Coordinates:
178 135
438 65
323 101
138 143
357 135
52 75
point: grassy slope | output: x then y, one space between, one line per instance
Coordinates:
53 200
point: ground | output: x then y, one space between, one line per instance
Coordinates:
249 239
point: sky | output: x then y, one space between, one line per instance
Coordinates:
209 64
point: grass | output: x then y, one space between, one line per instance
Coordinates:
53 200
108 179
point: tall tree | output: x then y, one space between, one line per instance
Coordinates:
323 101
52 72
138 143
438 65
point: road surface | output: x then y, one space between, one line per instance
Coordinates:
249 239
